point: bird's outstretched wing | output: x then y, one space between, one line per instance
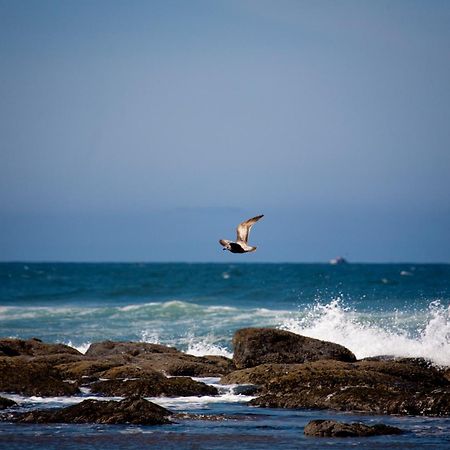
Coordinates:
243 229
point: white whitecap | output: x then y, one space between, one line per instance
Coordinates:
335 323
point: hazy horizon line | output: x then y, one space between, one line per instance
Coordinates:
224 262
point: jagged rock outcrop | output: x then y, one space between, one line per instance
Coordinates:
163 359
23 376
155 385
33 347
132 410
381 387
255 346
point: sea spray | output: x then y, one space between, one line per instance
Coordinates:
207 346
367 335
82 348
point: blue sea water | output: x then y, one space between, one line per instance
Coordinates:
373 309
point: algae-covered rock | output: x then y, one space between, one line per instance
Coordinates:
377 387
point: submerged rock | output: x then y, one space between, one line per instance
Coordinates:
255 346
21 375
381 387
332 428
132 410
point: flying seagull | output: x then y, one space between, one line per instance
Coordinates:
243 231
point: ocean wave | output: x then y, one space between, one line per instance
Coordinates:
207 346
166 309
207 329
411 334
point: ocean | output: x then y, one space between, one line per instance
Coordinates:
372 309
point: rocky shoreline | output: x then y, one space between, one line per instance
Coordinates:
282 369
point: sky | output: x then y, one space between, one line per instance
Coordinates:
147 130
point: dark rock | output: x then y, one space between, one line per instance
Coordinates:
130 410
446 373
259 375
58 358
255 346
222 363
88 370
246 389
408 370
167 360
33 347
23 376
110 348
6 403
377 387
332 428
154 385
143 370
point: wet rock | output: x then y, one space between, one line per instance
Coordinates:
58 358
88 370
255 346
246 389
142 370
332 428
154 385
33 347
383 387
446 373
6 403
412 370
111 348
222 363
259 375
130 410
21 375
167 360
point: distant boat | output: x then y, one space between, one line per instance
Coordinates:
338 260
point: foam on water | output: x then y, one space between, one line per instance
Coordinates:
207 346
207 329
367 335
82 348
226 395
199 402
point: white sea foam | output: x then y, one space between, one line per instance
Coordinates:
54 401
176 403
82 348
207 346
199 402
150 337
333 322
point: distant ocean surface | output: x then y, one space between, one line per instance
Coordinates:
373 309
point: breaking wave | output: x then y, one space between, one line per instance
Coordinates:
208 329
405 334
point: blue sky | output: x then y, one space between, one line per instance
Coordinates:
146 130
